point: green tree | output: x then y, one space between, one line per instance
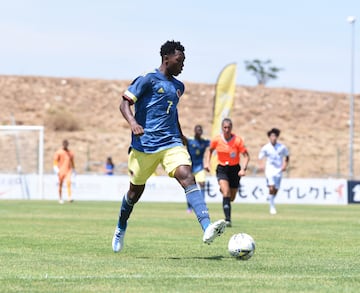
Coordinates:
263 70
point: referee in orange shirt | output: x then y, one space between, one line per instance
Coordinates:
64 166
228 147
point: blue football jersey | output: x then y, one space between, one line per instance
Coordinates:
156 98
196 150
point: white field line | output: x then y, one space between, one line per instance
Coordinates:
152 277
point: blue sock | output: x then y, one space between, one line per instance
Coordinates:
188 206
203 192
197 202
125 211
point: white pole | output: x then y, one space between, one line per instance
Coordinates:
351 20
41 162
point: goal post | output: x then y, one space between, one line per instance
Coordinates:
22 147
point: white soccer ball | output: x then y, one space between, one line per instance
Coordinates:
241 246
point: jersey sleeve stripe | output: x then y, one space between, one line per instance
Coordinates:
130 96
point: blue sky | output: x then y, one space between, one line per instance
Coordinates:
120 39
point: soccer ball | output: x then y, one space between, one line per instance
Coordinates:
241 246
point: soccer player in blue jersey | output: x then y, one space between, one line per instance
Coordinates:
196 147
157 139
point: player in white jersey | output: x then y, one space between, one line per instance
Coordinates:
277 161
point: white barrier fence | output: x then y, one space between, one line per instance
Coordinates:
164 189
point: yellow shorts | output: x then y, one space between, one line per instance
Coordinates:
143 165
200 176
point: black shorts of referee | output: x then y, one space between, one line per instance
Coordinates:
230 174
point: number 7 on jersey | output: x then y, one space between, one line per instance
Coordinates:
169 107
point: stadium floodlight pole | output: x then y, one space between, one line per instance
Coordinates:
351 20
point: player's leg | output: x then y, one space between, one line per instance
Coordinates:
272 194
271 182
176 162
129 200
126 208
226 203
187 181
200 178
141 166
222 174
189 208
233 192
61 182
273 190
68 186
193 195
234 182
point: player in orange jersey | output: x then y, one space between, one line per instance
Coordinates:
63 167
228 147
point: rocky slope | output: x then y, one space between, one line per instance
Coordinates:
314 124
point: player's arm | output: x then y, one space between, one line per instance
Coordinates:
187 145
286 160
207 158
261 165
72 162
125 109
208 153
285 163
135 91
55 163
261 160
246 161
183 137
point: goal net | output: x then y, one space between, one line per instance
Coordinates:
21 164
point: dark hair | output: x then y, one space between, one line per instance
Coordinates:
169 48
273 130
109 161
226 120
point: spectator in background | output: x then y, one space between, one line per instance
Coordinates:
109 166
64 166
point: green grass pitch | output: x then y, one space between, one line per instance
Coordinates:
47 247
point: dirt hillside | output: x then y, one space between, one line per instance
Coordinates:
314 125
